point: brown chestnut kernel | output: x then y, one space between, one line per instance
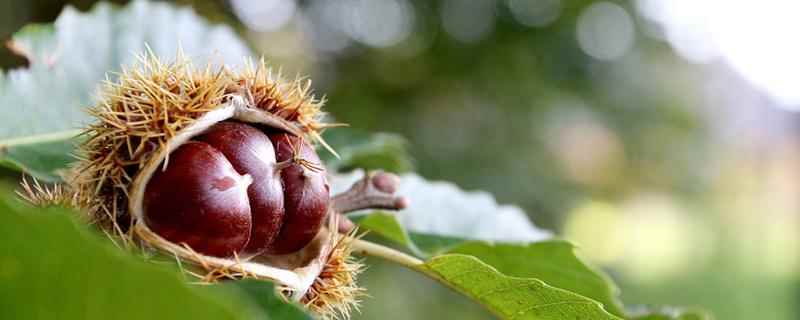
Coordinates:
200 200
250 152
306 193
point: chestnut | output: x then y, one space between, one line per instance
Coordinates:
306 193
250 152
199 200
236 190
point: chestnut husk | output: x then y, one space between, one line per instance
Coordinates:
153 109
296 271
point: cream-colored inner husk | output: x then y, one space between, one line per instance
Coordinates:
296 271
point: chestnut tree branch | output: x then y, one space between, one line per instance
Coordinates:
376 191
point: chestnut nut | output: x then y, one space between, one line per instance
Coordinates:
236 190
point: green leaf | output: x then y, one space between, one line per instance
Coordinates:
387 226
422 245
42 157
369 151
50 268
553 262
70 58
264 296
511 297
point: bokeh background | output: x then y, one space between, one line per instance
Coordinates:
662 136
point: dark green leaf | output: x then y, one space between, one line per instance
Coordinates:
511 297
553 262
50 268
433 244
386 225
422 245
42 159
264 296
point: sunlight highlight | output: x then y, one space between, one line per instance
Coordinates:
758 39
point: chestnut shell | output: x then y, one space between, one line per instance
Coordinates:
236 190
250 152
306 193
200 200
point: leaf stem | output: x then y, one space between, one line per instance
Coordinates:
373 249
363 247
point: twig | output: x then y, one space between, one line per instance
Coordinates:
374 191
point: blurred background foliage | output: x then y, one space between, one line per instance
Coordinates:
674 166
